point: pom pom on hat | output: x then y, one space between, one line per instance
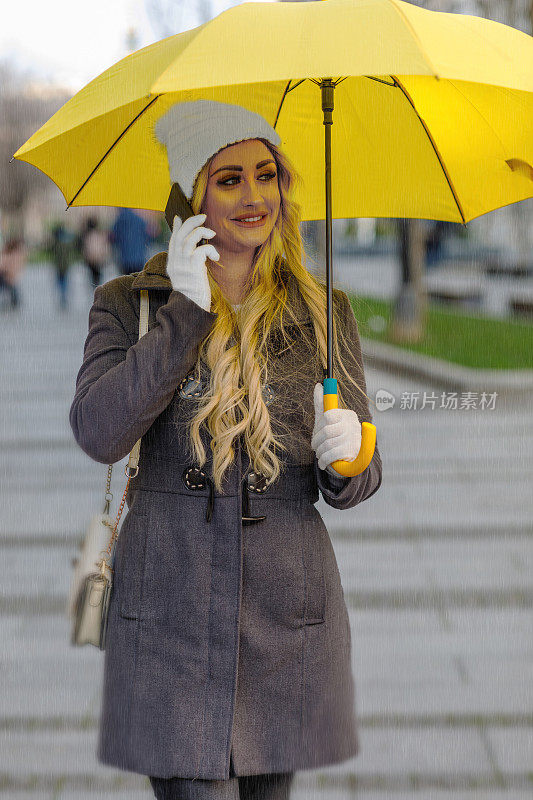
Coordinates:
193 132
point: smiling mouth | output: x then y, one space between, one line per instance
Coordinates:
251 221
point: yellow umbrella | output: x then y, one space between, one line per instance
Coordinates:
433 115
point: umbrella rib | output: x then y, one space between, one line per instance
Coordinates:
288 89
284 95
295 85
117 140
428 134
380 80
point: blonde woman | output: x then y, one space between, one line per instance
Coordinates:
227 664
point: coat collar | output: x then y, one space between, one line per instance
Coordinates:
154 276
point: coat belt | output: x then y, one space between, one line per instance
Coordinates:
297 483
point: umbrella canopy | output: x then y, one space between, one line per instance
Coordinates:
433 113
433 116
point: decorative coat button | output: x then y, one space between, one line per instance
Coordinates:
194 478
190 387
268 394
257 482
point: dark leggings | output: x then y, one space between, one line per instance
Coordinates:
271 786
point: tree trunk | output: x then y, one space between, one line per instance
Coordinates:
410 309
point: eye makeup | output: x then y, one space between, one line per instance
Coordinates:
225 181
238 168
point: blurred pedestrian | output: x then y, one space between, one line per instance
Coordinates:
60 252
95 249
131 235
12 263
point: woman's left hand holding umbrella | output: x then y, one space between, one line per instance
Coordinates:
337 433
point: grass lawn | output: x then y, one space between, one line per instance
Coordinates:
459 337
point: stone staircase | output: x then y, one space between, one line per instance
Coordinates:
437 569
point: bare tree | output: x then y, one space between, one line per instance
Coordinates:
24 107
167 16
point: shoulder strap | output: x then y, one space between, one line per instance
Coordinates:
134 455
143 327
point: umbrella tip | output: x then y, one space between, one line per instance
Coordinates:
11 159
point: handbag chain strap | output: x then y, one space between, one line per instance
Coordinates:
132 467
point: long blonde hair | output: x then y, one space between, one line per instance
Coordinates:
236 351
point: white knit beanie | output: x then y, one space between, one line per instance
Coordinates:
193 132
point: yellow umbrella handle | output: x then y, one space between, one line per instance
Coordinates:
368 436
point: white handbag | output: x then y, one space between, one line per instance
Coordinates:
93 545
92 580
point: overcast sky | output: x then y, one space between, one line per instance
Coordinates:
70 43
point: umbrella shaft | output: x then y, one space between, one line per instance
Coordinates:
327 88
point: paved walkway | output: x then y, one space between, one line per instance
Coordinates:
437 570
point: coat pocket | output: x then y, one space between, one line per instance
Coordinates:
315 582
129 562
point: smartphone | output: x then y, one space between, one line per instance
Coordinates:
177 204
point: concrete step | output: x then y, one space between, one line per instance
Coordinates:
300 791
399 759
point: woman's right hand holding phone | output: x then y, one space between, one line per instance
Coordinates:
186 262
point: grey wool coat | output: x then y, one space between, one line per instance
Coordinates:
223 637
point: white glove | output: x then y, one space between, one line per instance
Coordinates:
186 263
336 435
